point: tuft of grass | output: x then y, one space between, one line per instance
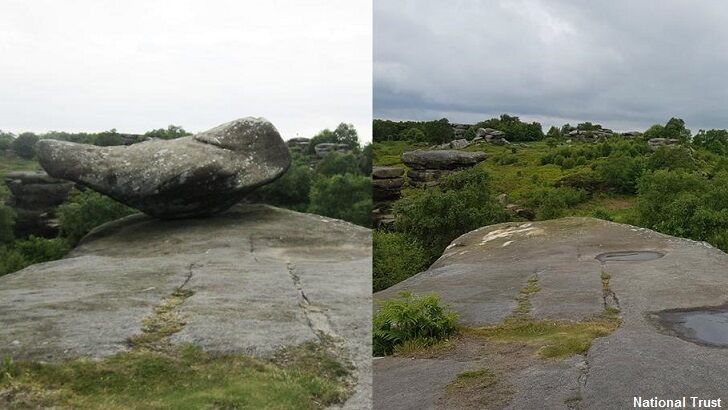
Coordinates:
523 307
185 378
554 339
472 379
164 322
605 276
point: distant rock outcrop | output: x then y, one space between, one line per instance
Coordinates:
491 136
326 147
299 144
427 167
569 271
595 135
190 176
656 143
259 278
386 186
35 195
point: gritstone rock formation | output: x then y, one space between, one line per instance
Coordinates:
427 167
191 176
34 198
259 279
581 268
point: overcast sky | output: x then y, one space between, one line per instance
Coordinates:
94 65
624 64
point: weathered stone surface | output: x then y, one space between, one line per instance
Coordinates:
262 278
35 195
656 143
327 147
387 172
481 273
445 159
386 189
191 176
298 143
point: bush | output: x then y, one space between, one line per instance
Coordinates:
108 138
515 129
29 251
620 172
413 134
6 141
292 189
7 223
672 158
553 202
87 210
435 216
408 319
172 132
24 145
396 258
347 197
335 163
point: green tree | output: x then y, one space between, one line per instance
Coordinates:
336 163
171 132
672 158
715 141
292 189
347 197
6 141
620 172
109 138
413 134
24 145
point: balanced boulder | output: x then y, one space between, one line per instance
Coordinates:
428 167
191 176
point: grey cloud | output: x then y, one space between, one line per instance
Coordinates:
624 64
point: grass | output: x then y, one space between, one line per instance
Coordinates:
186 378
154 374
554 339
523 307
472 379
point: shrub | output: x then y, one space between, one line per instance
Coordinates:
24 145
171 132
109 138
435 216
506 159
6 141
411 318
87 210
292 189
672 158
37 250
11 261
396 258
413 134
347 197
515 129
552 202
620 172
26 252
335 163
7 223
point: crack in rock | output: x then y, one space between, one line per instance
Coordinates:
316 318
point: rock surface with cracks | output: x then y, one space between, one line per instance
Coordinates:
480 275
252 280
197 175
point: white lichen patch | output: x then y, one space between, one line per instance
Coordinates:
505 233
507 243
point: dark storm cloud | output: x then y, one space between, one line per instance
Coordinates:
624 64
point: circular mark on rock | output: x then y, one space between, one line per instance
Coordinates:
629 256
706 326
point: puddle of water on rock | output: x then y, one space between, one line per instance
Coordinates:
629 256
704 326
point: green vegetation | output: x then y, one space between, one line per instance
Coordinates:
472 379
420 321
337 185
396 258
86 210
676 189
554 339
